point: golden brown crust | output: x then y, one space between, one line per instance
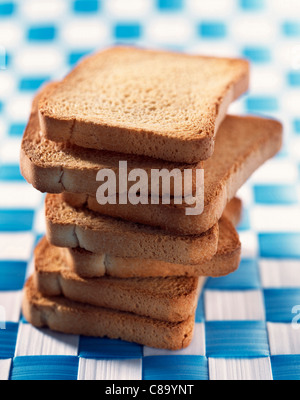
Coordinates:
225 261
167 299
63 315
67 226
242 146
154 110
56 167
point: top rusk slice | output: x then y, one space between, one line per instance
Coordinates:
160 104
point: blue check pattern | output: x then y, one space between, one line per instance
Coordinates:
247 324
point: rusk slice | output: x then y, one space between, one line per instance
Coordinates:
154 103
67 316
57 167
167 299
67 226
243 144
225 261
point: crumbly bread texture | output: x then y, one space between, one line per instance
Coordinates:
225 261
67 226
155 103
234 211
243 144
67 316
55 167
167 299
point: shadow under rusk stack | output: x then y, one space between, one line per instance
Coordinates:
128 271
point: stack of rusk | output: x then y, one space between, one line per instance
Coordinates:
135 271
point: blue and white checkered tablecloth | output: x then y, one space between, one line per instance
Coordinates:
248 323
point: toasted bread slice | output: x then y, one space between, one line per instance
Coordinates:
153 103
57 167
167 299
225 261
243 144
67 316
67 226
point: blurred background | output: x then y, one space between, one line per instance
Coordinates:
42 40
